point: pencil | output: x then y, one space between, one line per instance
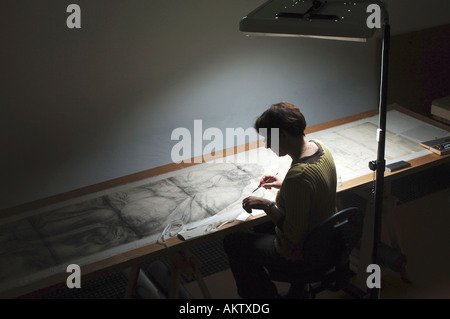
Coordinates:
260 186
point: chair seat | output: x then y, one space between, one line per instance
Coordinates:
326 253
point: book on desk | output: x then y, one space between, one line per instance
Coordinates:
440 109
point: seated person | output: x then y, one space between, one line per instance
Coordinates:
306 197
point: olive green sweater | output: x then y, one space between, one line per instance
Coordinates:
306 198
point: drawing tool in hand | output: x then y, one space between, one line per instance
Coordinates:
260 186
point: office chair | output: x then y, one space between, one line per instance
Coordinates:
326 252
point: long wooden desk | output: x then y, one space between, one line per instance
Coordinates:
134 256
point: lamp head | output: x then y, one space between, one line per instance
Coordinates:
332 19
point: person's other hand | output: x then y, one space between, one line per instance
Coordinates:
253 202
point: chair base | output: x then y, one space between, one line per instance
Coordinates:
309 291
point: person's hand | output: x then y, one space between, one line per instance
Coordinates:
269 181
253 202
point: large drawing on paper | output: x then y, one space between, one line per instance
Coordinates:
86 231
355 146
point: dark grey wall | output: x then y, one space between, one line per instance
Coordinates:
79 107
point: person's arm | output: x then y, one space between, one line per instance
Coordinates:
297 202
269 207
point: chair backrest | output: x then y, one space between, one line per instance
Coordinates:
333 238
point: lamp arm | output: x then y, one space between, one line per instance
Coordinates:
316 6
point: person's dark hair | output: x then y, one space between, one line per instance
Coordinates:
284 116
